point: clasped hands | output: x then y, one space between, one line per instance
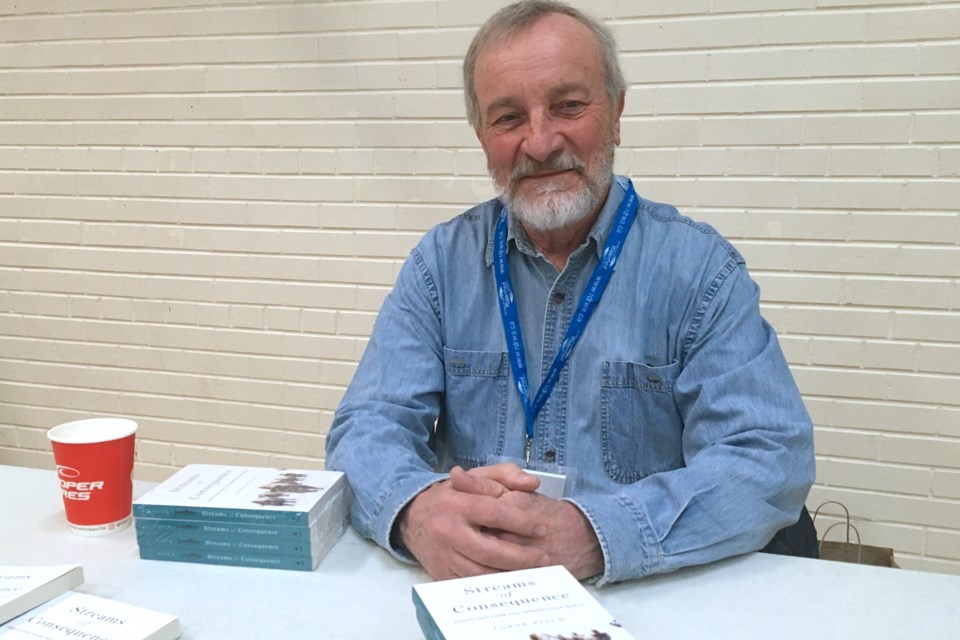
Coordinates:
491 519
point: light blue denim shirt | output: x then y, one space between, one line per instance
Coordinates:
677 408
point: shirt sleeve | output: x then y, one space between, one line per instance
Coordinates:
382 432
747 447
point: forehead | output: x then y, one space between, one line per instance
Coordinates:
555 50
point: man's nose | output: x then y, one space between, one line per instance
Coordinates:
543 138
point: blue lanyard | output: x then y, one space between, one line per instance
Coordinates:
588 301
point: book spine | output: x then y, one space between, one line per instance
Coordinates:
172 530
187 543
214 514
431 631
232 558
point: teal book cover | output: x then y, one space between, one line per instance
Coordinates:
158 531
231 558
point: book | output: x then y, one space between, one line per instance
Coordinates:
23 588
261 495
216 542
79 615
160 530
232 558
531 604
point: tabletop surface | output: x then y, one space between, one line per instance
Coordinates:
360 591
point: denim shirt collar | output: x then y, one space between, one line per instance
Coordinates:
598 232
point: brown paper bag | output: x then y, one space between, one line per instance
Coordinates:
849 551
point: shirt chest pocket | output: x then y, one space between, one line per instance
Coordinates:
640 425
474 418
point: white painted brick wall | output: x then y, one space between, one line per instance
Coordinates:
203 205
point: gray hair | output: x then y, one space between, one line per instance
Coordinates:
514 18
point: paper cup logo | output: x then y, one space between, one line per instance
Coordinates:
94 466
73 489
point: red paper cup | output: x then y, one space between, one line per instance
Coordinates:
95 465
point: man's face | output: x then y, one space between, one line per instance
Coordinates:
547 126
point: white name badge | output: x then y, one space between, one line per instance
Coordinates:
551 484
555 481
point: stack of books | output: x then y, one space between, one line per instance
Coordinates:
243 516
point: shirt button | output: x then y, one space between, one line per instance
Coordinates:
557 297
549 455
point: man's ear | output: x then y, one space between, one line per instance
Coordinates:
618 112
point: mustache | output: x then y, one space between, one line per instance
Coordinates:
527 166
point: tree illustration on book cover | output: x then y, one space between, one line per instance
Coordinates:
277 493
593 635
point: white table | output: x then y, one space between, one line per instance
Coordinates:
360 591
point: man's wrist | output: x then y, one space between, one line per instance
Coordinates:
590 563
399 532
593 560
396 535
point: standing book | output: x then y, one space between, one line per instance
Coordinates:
79 615
532 604
24 588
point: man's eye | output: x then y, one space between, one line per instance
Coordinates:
570 106
506 120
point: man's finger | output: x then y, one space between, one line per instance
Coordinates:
510 516
506 475
484 551
476 484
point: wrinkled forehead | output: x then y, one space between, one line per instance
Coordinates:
545 37
549 42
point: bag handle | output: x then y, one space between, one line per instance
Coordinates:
849 527
846 522
839 504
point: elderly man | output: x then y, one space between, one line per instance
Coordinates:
573 328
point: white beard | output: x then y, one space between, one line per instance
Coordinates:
549 207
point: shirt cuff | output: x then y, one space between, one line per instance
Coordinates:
394 504
625 556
